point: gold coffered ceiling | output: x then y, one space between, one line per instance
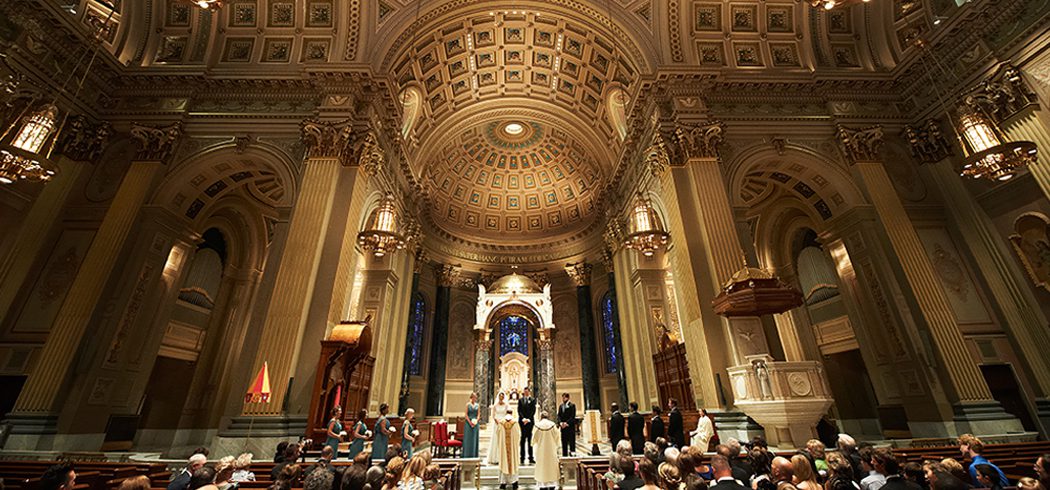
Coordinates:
513 176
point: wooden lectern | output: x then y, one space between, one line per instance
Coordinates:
344 369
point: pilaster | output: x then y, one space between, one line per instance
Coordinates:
51 372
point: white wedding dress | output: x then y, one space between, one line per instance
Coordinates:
498 410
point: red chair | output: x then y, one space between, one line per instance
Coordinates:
443 441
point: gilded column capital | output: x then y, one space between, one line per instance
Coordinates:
156 143
545 340
579 273
607 259
541 277
447 275
657 158
422 259
84 141
1002 94
370 154
860 145
927 142
324 139
700 140
614 234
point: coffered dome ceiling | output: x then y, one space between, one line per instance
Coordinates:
513 176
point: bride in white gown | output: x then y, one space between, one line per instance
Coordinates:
498 410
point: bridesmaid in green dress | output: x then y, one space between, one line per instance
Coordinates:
335 427
470 428
359 435
408 434
382 434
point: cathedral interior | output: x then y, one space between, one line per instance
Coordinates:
786 212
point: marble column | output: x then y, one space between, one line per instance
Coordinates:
580 274
547 393
282 333
1023 319
621 371
1032 124
482 371
971 396
447 276
46 381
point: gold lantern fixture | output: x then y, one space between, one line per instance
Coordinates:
646 232
26 146
208 4
380 235
988 154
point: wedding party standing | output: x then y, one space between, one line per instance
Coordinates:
383 429
359 434
498 411
546 440
567 422
526 414
508 438
335 431
470 428
408 433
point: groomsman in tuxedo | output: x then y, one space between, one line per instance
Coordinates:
675 425
567 422
656 425
616 425
636 429
526 417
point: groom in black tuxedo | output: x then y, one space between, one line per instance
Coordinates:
526 417
567 422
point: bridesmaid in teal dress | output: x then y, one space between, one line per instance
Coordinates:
383 430
470 428
335 426
359 435
408 434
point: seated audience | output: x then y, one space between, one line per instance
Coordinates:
652 452
650 476
223 474
741 468
953 466
940 479
289 475
278 455
886 464
914 473
241 467
203 478
760 460
783 473
840 473
848 447
182 480
872 480
805 478
988 477
412 476
432 477
1027 483
319 478
60 477
394 468
354 476
140 482
724 479
972 447
670 478
1042 469
291 455
631 480
817 452
613 476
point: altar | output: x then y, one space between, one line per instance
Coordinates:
514 348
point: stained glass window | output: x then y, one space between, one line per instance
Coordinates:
608 326
513 335
415 335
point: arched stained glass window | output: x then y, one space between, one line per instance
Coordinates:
416 325
608 325
513 335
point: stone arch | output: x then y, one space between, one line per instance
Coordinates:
412 108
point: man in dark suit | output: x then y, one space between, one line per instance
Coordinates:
636 430
724 475
886 464
182 480
631 480
567 422
527 418
656 425
616 425
675 424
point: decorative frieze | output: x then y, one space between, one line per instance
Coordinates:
579 273
156 144
860 145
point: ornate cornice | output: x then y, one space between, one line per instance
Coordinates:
156 143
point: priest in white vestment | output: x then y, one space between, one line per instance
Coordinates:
508 437
497 411
546 438
700 437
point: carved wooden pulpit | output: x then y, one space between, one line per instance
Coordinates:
344 374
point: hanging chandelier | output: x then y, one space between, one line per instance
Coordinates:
208 4
25 153
830 4
380 235
989 155
646 232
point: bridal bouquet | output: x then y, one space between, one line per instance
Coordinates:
368 433
415 433
342 434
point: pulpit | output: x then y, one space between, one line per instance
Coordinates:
344 375
672 376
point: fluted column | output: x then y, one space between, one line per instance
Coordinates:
1019 307
1033 124
861 148
282 333
447 276
156 145
580 274
482 371
81 145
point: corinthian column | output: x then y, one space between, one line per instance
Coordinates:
327 147
580 274
81 145
963 379
446 276
38 398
